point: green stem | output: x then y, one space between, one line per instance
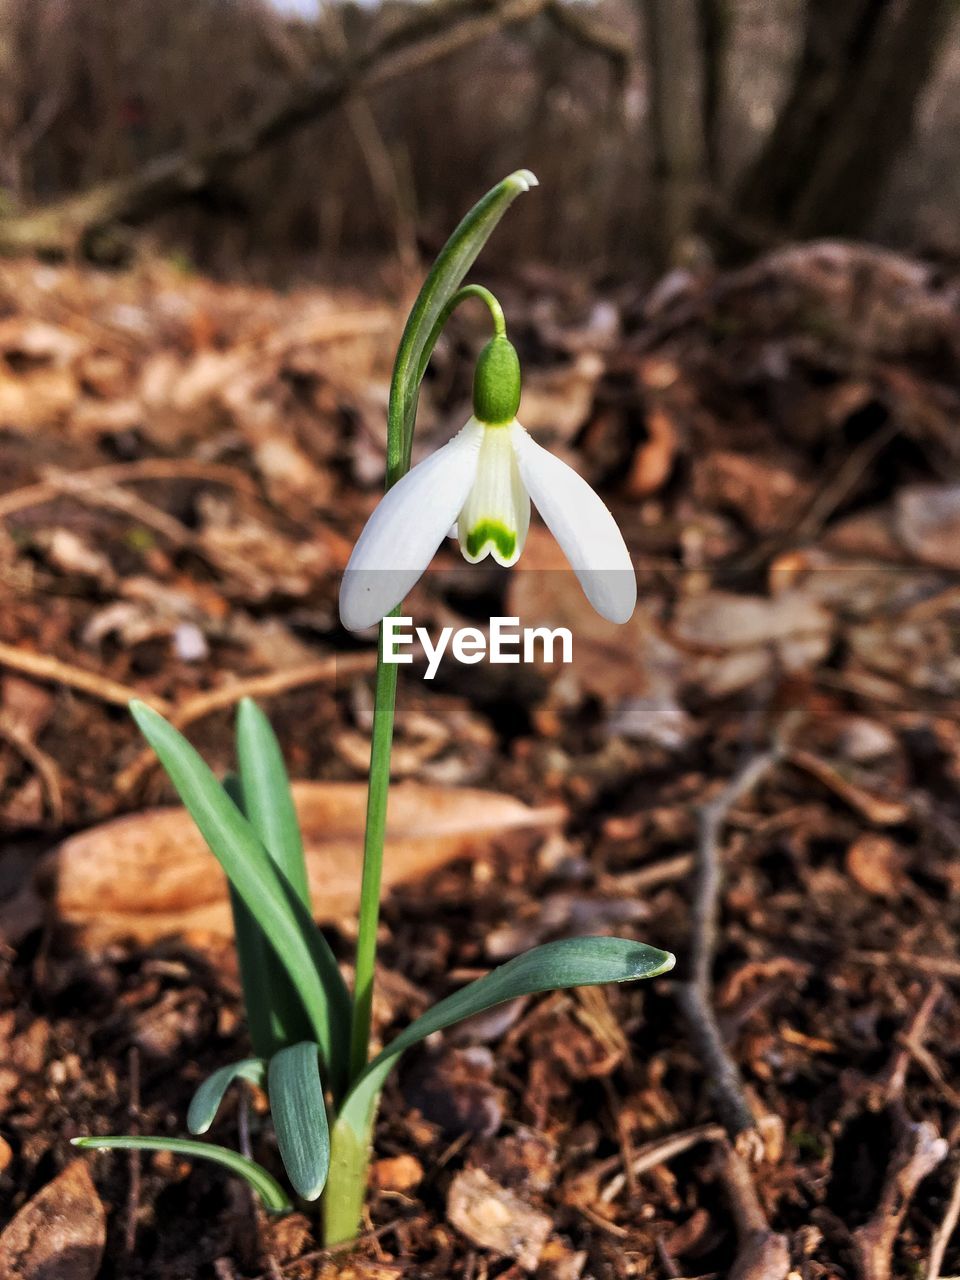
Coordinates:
499 330
385 698
468 291
346 1189
350 1151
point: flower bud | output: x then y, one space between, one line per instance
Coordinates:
496 383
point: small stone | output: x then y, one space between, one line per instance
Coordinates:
492 1217
189 643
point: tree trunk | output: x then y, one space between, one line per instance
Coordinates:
846 117
88 222
713 21
676 119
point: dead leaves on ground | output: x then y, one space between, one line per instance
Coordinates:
60 1233
150 875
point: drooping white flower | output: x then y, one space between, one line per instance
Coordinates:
483 482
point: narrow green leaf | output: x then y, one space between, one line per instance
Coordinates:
454 261
266 1186
275 1013
278 911
571 962
258 963
267 798
300 1117
206 1101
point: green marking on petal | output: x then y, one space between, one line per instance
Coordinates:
504 539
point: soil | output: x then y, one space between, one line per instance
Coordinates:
779 446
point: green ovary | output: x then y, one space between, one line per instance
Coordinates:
492 531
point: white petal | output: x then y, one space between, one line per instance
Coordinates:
585 529
496 515
404 531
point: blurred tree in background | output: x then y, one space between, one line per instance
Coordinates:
257 141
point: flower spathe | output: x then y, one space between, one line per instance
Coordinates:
483 481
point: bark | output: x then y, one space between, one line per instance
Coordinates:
847 115
673 71
87 223
713 20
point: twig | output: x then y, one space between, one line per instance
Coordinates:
654 1153
243 1122
42 765
34 495
942 966
941 1237
695 996
918 1153
762 1254
657 873
266 685
912 1038
43 667
133 1192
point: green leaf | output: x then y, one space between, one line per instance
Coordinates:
206 1101
259 966
267 798
272 902
275 1013
300 1117
266 1186
455 260
571 962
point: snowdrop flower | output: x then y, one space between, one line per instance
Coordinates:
479 487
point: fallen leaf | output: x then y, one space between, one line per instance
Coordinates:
877 865
762 493
630 661
927 521
150 874
59 1234
654 458
396 1173
492 1217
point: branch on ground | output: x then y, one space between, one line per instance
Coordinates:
91 222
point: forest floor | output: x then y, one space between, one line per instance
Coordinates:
185 467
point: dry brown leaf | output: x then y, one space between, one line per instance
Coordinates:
151 874
761 492
556 401
494 1218
653 460
877 865
59 1234
720 620
633 660
927 522
742 638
